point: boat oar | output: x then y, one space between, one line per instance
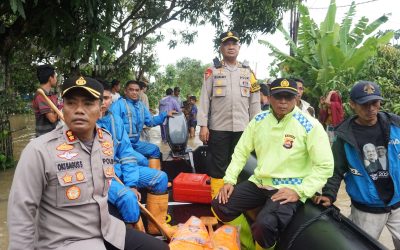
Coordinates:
50 103
150 216
209 221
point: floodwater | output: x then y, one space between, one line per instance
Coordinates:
24 131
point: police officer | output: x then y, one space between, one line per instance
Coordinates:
229 99
58 199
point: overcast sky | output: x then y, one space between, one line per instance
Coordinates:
257 54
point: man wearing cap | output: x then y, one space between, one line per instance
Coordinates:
58 199
374 191
229 99
294 160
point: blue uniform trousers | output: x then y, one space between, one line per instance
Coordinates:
155 181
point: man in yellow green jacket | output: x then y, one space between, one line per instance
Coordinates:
294 160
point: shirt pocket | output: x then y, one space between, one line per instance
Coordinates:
219 86
72 188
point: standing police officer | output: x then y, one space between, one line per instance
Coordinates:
58 198
229 99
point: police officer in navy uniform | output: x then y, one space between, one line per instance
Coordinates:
58 198
229 100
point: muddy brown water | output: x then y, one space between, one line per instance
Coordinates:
24 130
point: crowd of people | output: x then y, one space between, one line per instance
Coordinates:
78 182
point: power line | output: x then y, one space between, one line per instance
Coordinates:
342 6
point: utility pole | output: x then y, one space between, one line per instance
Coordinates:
294 23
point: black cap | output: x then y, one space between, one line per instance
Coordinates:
89 84
229 35
365 91
283 85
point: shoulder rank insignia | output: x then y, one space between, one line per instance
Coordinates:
70 136
303 121
108 152
73 193
64 147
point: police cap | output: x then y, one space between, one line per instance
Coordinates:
229 35
89 84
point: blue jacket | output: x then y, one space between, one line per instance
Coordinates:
125 164
135 115
349 165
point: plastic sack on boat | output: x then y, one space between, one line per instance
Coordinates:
192 234
226 238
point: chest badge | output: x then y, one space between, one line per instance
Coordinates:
64 147
79 176
73 193
67 155
106 144
288 141
67 178
108 152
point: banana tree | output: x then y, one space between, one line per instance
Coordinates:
332 55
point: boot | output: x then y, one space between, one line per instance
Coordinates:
139 225
155 163
157 204
216 185
246 238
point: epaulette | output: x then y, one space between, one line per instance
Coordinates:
261 116
303 121
245 64
217 63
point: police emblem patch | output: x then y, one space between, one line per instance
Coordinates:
288 141
81 81
67 178
73 193
67 155
64 147
79 176
284 83
109 172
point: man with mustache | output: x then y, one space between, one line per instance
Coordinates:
229 100
374 192
58 198
294 160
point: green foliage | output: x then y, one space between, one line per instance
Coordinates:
187 74
384 68
330 56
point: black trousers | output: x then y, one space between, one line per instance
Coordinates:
221 146
135 240
270 221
